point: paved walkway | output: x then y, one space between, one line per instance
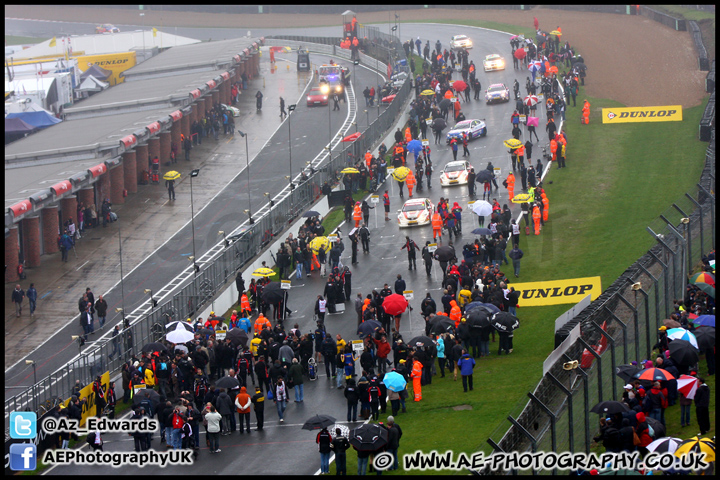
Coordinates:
146 221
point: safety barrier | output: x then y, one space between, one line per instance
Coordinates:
678 24
703 62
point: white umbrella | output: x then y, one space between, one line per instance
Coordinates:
482 208
182 348
174 325
688 386
682 334
179 335
665 445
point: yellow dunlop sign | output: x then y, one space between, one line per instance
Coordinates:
89 408
556 292
670 113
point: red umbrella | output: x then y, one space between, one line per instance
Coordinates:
688 385
520 53
388 99
394 304
459 85
531 100
353 137
654 374
449 94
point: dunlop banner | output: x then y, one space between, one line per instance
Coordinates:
88 410
670 113
556 292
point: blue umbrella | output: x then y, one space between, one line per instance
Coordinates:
414 146
682 334
706 320
481 231
394 381
367 328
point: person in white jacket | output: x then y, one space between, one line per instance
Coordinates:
213 419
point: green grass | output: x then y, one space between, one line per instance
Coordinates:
19 40
503 27
683 12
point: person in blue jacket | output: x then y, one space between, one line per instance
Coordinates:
466 364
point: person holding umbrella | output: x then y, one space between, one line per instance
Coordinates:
324 441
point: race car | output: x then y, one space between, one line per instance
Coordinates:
494 62
416 211
460 41
318 96
234 111
497 92
473 128
107 28
455 173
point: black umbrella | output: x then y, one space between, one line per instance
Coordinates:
368 437
488 308
439 123
626 372
477 318
481 231
441 324
657 426
445 253
578 59
444 103
705 337
505 322
318 422
311 213
580 66
227 382
484 176
149 394
154 347
610 407
368 327
683 352
272 293
179 324
237 336
205 331
421 341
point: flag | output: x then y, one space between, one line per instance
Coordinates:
154 32
53 42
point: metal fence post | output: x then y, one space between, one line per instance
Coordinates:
666 283
568 393
661 240
613 365
586 410
712 210
702 227
598 363
624 329
655 289
553 420
636 321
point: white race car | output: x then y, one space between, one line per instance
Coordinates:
235 111
494 62
473 128
460 41
455 173
416 211
497 92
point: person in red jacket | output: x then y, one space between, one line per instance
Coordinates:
383 350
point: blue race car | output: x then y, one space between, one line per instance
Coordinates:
473 128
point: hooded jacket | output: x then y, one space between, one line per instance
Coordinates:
242 401
466 364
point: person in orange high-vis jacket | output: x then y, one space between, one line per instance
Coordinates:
546 207
437 224
510 185
260 323
245 306
357 214
410 181
368 158
455 313
553 149
520 152
416 375
408 135
536 219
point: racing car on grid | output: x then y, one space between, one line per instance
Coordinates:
416 211
455 173
107 28
234 111
473 128
318 96
494 62
497 92
458 42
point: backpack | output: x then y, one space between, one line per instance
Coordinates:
201 388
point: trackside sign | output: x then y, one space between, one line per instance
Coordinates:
671 113
557 292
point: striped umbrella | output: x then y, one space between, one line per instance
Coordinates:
665 445
703 277
682 334
688 385
531 100
654 374
696 444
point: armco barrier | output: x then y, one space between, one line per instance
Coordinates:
703 62
678 24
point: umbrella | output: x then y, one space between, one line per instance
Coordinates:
531 100
513 143
484 176
610 407
368 327
669 323
352 137
441 324
557 33
319 243
481 207
420 341
477 318
179 324
682 334
205 331
522 198
154 347
552 70
683 353
181 348
394 381
349 170
171 175
400 174
313 213
394 304
344 430
179 335
579 66
448 95
696 444
414 146
318 422
487 307
427 93
505 322
520 53
272 293
653 374
626 372
703 277
665 445
705 337
444 103
459 85
264 272
657 427
708 289
439 123
368 437
146 394
227 382
533 121
481 231
704 320
445 253
521 37
688 386
237 336
388 99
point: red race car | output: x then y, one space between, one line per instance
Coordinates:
317 96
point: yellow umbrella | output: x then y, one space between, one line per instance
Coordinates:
513 143
171 175
555 32
427 92
697 445
522 198
350 170
319 243
401 173
264 272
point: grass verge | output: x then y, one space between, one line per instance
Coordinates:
20 40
